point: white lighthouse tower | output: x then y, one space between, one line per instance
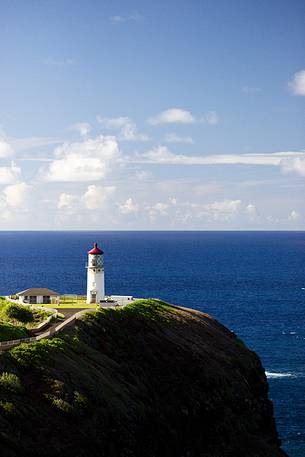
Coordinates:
95 275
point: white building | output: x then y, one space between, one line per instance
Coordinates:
38 295
95 275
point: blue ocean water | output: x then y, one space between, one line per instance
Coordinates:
251 281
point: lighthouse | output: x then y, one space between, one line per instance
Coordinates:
95 275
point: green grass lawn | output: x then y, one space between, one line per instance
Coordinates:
70 301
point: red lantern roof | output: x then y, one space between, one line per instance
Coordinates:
95 250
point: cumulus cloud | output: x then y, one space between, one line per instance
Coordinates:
157 210
172 116
181 116
222 210
251 212
129 207
95 196
294 216
17 194
89 160
84 128
297 85
67 202
295 165
6 150
127 127
174 138
9 175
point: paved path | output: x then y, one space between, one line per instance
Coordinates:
71 315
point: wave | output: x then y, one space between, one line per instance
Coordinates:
273 374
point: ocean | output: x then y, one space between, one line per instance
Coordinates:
253 282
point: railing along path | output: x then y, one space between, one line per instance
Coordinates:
11 343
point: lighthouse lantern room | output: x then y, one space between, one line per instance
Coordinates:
95 275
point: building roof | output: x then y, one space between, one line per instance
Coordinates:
34 291
95 250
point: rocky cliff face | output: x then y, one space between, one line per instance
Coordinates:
149 380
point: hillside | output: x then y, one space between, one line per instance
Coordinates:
149 380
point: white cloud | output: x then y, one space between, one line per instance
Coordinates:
89 160
129 207
294 216
67 202
173 201
172 116
6 149
158 209
289 161
84 128
9 175
181 116
95 196
119 19
251 212
21 144
16 195
127 127
294 165
211 118
174 138
52 62
297 85
222 210
143 175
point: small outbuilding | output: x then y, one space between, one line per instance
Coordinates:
38 295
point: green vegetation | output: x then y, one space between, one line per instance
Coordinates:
15 312
33 354
70 301
16 319
8 408
147 379
10 382
77 404
60 404
12 332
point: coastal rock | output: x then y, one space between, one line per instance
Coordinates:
149 380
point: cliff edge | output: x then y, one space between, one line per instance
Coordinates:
148 380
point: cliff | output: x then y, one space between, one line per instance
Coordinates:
149 380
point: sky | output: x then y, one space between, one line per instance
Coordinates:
140 115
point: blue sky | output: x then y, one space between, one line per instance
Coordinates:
152 115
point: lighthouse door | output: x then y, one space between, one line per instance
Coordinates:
93 297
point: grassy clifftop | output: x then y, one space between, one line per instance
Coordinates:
149 380
16 320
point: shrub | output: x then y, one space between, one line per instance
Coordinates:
18 312
30 354
8 408
61 405
11 332
80 401
10 382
